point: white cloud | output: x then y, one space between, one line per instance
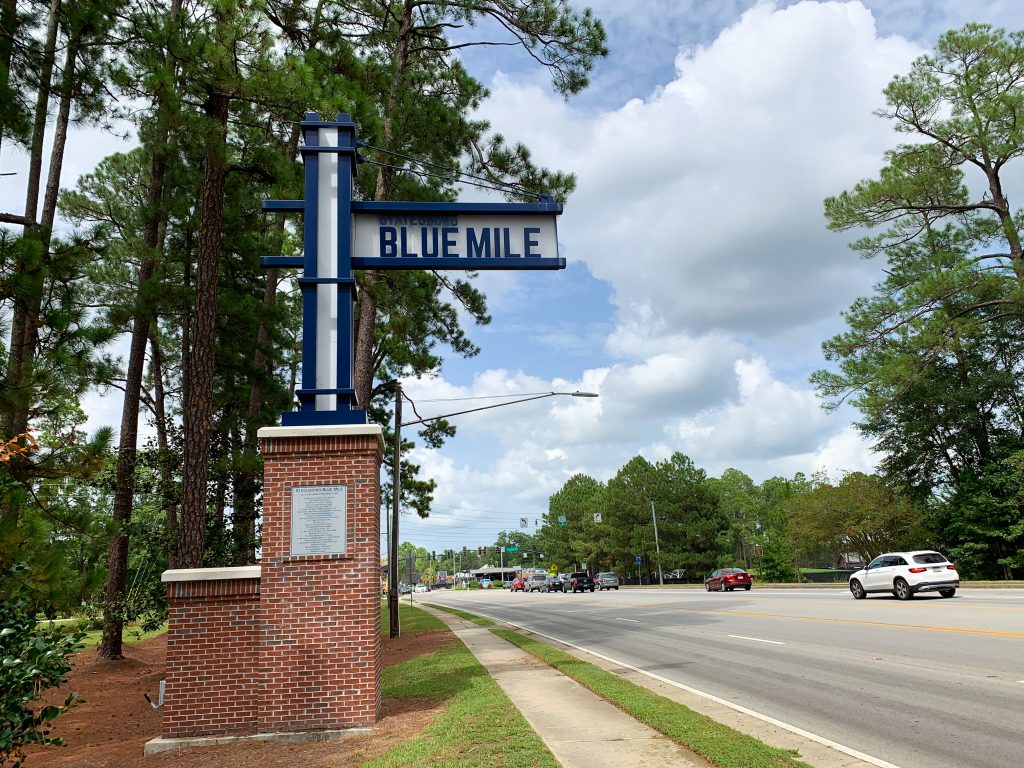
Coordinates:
768 418
702 204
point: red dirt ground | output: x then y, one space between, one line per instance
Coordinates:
110 727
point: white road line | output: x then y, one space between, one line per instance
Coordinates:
635 621
756 639
711 697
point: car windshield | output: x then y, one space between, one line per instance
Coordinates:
929 557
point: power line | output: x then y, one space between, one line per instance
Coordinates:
497 186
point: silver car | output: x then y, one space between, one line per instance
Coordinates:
607 580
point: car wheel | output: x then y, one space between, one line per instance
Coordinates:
857 590
707 586
747 587
616 589
591 589
901 589
947 592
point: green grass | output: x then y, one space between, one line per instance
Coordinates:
411 620
483 621
717 743
132 635
479 726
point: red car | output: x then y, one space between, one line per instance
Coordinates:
518 584
727 579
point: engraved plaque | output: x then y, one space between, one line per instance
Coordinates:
319 520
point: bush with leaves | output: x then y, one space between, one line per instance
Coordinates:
33 659
777 562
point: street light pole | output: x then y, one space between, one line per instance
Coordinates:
396 482
396 501
657 548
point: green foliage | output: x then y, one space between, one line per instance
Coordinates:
691 523
861 513
777 561
983 519
32 661
933 358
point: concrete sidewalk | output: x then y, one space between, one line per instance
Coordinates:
581 729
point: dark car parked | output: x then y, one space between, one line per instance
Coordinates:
554 584
579 582
727 579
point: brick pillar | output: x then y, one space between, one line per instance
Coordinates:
212 643
319 652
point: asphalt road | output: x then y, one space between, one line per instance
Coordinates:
928 683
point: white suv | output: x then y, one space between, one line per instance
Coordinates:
905 574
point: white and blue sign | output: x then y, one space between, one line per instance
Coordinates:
483 240
341 235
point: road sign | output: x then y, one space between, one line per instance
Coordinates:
341 235
442 575
638 560
524 522
511 549
597 517
561 519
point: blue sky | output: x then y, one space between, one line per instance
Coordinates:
701 280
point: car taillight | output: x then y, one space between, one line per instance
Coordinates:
918 570
950 567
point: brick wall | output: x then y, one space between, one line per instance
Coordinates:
319 653
294 643
211 654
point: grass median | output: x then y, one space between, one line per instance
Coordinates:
478 727
717 743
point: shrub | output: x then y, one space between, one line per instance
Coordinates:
33 659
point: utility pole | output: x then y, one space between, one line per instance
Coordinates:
396 500
657 548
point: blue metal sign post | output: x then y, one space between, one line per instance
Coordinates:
341 235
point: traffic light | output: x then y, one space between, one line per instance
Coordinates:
433 555
463 549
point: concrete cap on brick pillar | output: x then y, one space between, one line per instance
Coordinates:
211 574
331 430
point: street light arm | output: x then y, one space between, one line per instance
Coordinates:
499 405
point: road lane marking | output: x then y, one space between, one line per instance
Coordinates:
635 621
711 697
861 622
756 639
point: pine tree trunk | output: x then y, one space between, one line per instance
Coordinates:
29 267
168 487
8 20
366 321
124 474
199 364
